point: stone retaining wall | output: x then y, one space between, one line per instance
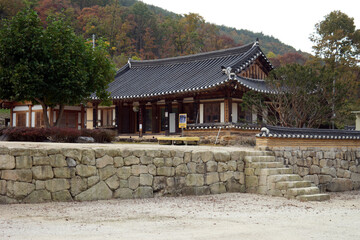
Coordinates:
331 169
67 174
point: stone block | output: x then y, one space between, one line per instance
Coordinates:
107 172
251 181
58 160
170 182
113 182
7 162
249 171
207 156
91 181
23 162
232 165
211 166
99 191
233 186
177 161
314 169
19 152
193 180
237 155
312 178
72 153
118 162
2 187
329 154
125 153
136 170
211 178
225 176
113 152
131 160
62 196
323 179
143 192
222 167
159 183
159 162
139 153
187 157
134 182
165 171
222 156
323 163
22 189
39 185
70 162
124 172
77 185
146 179
340 185
38 196
123 183
200 168
197 191
344 164
355 177
152 169
63 172
146 160
57 184
124 193
217 188
88 157
181 170
41 160
191 167
328 171
7 200
165 153
153 153
104 161
303 171
85 170
22 175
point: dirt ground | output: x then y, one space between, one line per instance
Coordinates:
225 216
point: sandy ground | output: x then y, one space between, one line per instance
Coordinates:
225 216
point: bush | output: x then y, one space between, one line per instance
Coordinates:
68 135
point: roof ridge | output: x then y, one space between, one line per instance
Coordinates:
194 57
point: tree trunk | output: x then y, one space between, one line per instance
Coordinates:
61 113
45 116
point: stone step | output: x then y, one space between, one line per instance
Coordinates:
292 192
314 197
260 159
292 184
284 178
264 165
275 171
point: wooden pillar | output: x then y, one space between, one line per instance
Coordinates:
30 115
142 119
154 118
118 116
95 115
168 110
228 105
82 116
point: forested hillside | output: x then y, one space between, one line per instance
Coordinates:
133 29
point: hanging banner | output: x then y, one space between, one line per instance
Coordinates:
182 120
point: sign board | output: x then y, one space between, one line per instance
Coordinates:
182 120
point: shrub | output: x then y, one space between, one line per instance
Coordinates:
69 135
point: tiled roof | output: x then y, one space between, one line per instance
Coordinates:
310 133
141 79
243 126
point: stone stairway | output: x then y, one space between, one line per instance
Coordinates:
264 175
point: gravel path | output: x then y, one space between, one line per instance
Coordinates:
225 216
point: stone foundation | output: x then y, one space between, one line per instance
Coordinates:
331 169
66 174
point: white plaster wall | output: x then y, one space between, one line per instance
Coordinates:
234 113
20 108
222 112
14 120
32 119
201 113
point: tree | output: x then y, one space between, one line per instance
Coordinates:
51 66
301 96
337 44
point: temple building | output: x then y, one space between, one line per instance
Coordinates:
148 96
